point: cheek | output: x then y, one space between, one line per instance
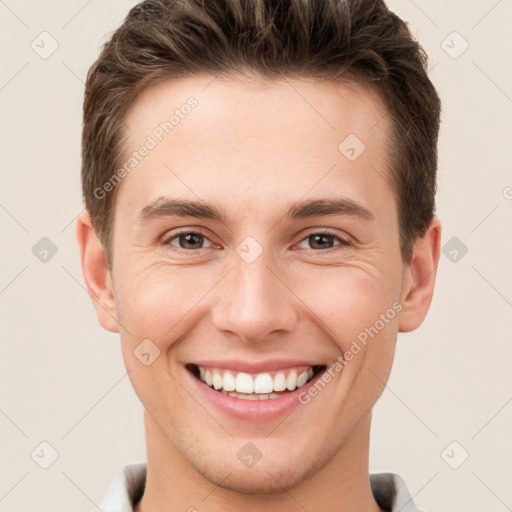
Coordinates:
159 302
359 314
347 299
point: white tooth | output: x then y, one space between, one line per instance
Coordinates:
263 383
244 383
302 378
217 380
208 378
250 396
229 383
310 373
291 381
233 393
279 382
273 395
263 397
201 373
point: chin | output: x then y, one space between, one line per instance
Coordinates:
256 481
277 471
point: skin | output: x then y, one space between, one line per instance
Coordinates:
253 148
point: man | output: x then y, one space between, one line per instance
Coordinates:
259 181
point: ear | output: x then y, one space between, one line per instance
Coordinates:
419 278
96 273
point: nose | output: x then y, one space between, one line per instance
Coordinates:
254 301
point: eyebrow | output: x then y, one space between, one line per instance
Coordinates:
167 206
318 207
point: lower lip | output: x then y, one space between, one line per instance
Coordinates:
254 410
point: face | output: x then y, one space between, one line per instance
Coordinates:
287 273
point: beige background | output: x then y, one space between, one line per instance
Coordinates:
62 378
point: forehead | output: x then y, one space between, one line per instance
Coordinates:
232 101
251 133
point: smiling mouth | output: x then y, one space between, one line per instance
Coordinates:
259 386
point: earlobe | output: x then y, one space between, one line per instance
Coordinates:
419 278
96 273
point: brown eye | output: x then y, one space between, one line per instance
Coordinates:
324 240
187 240
190 239
320 241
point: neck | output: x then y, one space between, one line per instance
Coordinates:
341 485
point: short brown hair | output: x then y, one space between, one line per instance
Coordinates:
357 40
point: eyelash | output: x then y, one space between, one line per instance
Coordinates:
342 241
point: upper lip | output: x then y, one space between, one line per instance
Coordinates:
254 367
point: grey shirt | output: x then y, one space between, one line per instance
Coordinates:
126 489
